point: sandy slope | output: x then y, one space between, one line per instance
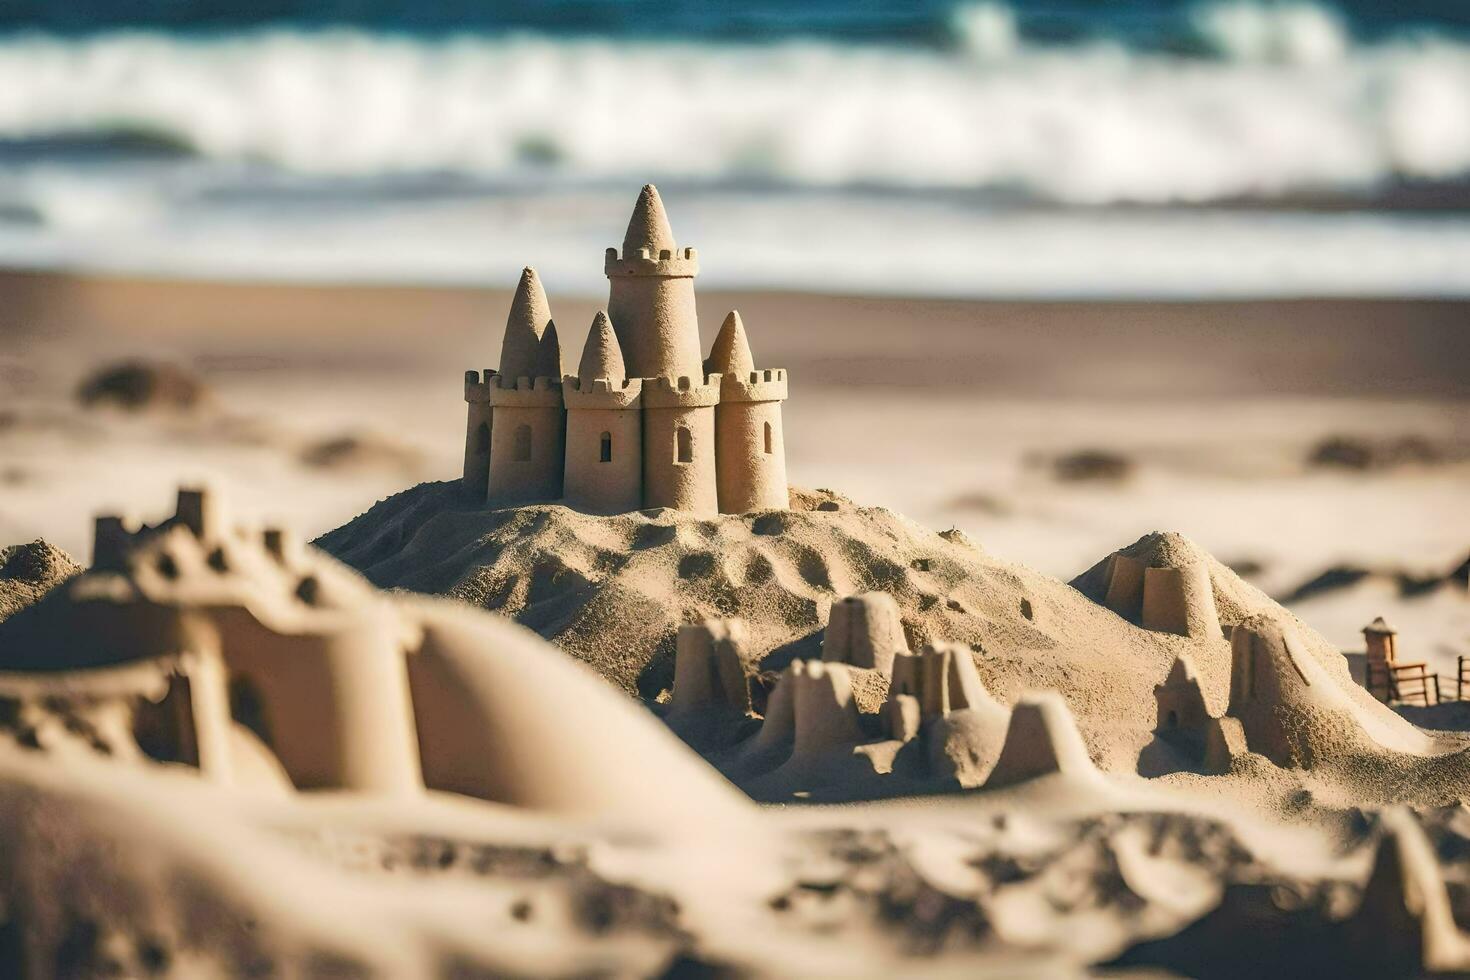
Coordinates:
613 592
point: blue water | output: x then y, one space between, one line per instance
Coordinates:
1152 24
1139 146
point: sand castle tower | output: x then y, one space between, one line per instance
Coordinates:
1382 641
940 678
651 295
709 667
604 451
1161 582
651 304
1042 740
1180 700
527 443
865 630
748 442
477 437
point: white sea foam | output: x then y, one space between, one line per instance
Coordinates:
838 242
1289 105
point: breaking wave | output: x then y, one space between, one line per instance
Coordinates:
1278 100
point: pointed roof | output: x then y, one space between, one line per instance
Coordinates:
649 226
521 351
1379 625
1182 672
602 357
731 352
548 354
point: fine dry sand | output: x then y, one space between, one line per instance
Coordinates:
1080 836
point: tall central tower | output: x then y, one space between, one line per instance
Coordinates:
651 296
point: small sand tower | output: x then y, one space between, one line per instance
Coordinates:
479 418
865 630
528 442
709 667
748 440
1042 740
1161 582
1382 642
1181 703
604 462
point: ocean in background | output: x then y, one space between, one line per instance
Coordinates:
1221 148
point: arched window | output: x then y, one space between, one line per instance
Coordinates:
523 443
606 456
769 447
683 446
482 439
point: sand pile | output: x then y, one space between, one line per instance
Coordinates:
567 820
29 571
613 592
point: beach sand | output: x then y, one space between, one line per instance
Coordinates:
325 398
1052 434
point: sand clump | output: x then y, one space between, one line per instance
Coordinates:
29 571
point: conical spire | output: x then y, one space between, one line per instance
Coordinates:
649 226
548 353
602 357
731 352
521 352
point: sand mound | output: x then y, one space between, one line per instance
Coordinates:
613 592
29 571
143 385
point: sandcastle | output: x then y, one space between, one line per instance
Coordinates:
264 664
936 727
645 422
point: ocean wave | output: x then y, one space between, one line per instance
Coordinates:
1286 103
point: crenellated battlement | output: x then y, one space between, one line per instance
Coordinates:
681 392
525 392
600 393
672 262
476 390
758 386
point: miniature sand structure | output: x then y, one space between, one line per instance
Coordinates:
646 421
224 752
264 664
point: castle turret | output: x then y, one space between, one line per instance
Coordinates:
751 453
528 440
479 417
679 443
651 295
604 441
651 305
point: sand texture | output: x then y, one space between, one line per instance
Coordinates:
613 592
29 571
1132 757
1057 776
